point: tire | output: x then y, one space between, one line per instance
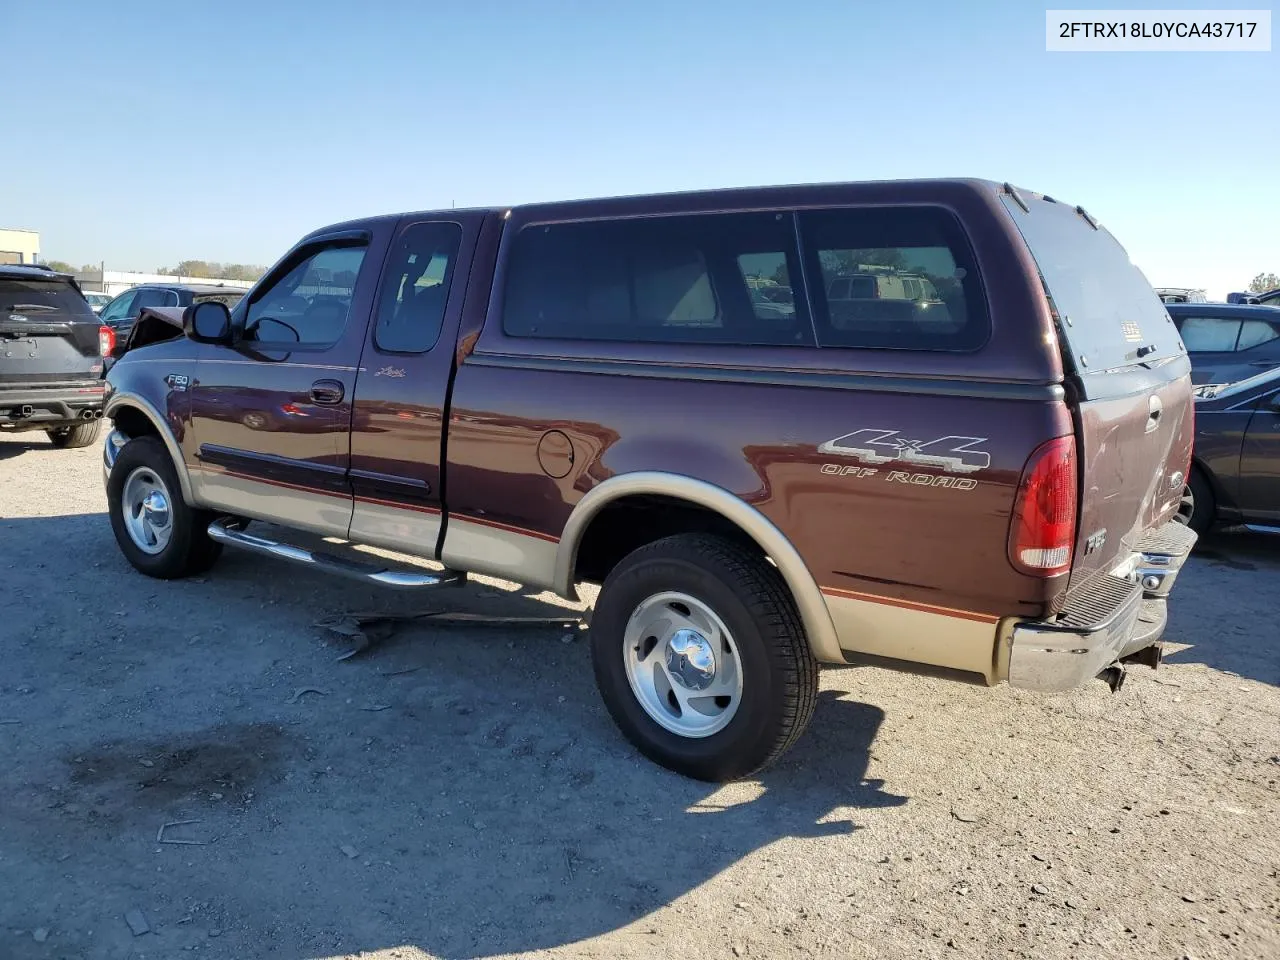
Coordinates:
1199 506
764 661
81 435
181 545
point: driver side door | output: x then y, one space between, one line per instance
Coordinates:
1260 463
271 413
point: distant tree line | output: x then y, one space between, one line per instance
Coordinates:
209 270
204 269
1264 282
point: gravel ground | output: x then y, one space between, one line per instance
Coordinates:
461 792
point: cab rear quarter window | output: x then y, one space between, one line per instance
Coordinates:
882 278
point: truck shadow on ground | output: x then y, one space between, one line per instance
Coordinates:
535 824
15 448
459 790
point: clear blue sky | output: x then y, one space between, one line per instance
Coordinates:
143 133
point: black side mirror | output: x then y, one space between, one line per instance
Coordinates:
208 322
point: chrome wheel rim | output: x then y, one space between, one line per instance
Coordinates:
1187 506
145 505
683 664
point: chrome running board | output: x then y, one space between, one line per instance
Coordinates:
230 531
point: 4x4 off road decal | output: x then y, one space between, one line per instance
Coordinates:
876 447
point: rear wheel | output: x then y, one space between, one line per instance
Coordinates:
80 435
701 659
1199 507
157 531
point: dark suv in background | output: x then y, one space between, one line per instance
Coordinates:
1269 299
121 312
51 356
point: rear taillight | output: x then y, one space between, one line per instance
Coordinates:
1044 515
106 341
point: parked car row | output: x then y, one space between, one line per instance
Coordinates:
1181 295
123 310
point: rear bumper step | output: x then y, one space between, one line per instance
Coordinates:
231 532
1161 554
1109 620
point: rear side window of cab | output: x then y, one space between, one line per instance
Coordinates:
897 278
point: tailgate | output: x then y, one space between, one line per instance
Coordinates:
1129 380
48 333
1134 453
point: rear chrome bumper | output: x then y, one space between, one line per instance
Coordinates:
1111 617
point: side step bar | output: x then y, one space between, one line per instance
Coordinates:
231 532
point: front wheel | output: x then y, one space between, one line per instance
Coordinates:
157 531
701 659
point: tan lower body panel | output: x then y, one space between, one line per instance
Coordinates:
408 530
918 633
285 504
498 550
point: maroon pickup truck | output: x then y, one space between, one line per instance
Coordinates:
942 426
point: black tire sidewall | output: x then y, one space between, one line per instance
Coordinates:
756 725
75 435
1204 505
174 560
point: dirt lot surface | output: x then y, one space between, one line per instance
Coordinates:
461 792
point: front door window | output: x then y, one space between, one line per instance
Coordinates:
118 309
310 304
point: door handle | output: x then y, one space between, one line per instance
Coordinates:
327 392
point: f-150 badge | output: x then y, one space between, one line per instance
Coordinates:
876 447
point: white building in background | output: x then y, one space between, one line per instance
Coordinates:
23 247
118 281
19 246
